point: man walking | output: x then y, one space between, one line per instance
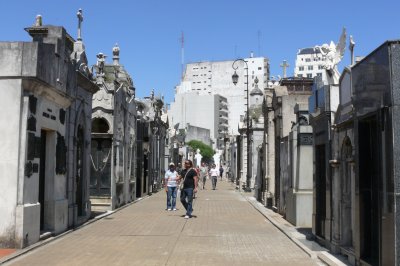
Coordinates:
190 181
171 177
221 171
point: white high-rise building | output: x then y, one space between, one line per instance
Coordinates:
215 78
310 63
203 111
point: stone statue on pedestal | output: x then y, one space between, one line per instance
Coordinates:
38 21
198 157
333 54
217 159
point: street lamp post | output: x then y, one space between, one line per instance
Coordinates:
235 79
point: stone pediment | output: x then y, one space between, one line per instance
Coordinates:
42 89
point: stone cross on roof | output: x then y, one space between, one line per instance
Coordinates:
80 19
284 65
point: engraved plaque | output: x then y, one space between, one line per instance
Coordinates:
305 139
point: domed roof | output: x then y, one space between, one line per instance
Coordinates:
256 91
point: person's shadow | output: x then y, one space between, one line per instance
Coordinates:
193 216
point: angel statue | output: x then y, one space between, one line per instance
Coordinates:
333 54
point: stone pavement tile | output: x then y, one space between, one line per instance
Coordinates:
6 251
225 230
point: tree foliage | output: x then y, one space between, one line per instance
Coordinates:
205 150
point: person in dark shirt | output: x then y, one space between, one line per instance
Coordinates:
221 170
179 168
190 180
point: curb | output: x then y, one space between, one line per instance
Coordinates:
32 247
324 255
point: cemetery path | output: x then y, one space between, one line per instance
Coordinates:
227 229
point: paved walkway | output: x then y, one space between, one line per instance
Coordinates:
227 229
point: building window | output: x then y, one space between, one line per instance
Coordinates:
308 60
310 67
319 74
300 75
309 75
320 67
259 68
301 68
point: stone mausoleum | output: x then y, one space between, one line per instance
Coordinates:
46 90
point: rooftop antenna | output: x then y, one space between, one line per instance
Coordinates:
182 40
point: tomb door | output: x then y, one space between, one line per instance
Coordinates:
145 172
346 192
42 176
369 168
100 177
79 176
139 168
320 190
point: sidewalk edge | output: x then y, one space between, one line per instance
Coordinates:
323 256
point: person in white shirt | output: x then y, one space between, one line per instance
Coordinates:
203 174
214 172
170 185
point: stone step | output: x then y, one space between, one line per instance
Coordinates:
100 204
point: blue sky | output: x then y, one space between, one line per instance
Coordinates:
148 31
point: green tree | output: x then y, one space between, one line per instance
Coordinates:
205 150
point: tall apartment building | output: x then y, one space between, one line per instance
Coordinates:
309 64
203 111
215 78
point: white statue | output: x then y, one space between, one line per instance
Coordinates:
198 158
333 54
38 21
351 48
217 159
101 59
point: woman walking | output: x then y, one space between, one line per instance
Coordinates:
171 177
214 172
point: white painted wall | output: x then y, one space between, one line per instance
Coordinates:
10 120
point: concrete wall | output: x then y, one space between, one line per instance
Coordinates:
300 192
197 110
198 133
10 164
